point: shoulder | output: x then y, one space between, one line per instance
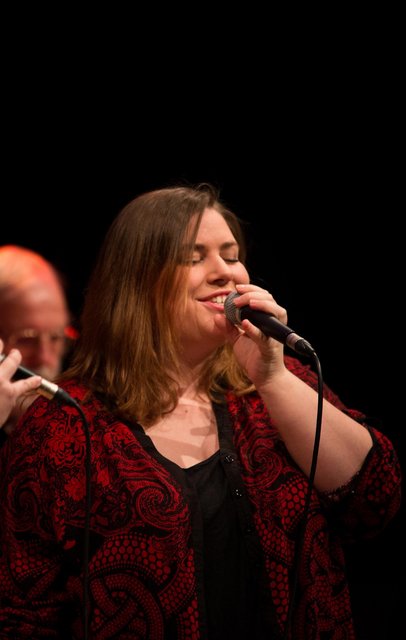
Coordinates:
47 417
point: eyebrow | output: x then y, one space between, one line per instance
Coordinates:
225 245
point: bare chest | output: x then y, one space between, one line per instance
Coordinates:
188 435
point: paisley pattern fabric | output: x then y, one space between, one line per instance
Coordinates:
144 575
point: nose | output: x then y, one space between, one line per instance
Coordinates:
220 271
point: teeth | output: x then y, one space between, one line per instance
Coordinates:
219 299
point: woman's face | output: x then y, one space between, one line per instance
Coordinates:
213 273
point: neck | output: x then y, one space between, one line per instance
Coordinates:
188 380
189 390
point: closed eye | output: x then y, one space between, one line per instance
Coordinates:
197 254
198 259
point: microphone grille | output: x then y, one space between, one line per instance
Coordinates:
230 310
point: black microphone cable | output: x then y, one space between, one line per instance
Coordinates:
88 504
302 526
86 534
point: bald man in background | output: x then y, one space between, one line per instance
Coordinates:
34 314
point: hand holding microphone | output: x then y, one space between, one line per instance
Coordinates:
267 323
46 388
11 391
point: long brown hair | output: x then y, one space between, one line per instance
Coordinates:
127 349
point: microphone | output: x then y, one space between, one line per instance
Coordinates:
47 389
268 324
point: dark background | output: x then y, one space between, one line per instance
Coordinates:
304 137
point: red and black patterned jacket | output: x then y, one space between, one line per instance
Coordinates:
143 580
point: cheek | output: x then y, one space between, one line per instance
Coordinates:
241 275
195 278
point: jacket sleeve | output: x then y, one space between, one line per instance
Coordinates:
365 505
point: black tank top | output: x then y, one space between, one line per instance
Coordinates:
231 582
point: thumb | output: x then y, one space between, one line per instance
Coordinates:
28 384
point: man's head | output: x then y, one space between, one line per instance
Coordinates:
33 310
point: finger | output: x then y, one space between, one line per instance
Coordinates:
261 300
10 363
248 292
28 384
260 338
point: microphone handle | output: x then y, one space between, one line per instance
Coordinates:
272 327
48 389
